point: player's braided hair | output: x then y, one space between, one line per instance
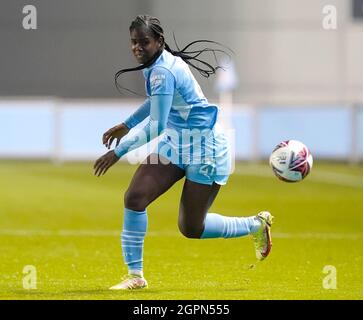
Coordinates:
187 54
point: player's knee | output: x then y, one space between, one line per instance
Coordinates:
190 230
135 200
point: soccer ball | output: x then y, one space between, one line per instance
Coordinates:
291 161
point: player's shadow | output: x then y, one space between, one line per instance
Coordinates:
106 292
76 293
112 294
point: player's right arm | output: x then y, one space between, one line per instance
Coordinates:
120 130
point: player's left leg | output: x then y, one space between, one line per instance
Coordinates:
196 222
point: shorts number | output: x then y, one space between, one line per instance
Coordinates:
206 169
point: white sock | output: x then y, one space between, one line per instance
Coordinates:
136 273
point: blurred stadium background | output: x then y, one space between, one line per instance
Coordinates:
294 80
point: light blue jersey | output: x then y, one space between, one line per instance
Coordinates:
190 108
177 106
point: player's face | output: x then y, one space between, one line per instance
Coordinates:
143 45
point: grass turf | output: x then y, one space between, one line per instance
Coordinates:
66 222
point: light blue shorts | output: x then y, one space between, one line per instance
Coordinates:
204 155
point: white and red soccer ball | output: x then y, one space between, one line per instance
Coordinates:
291 161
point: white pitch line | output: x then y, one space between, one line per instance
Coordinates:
116 233
321 177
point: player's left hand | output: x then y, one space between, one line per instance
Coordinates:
103 163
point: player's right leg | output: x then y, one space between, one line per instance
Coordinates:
148 183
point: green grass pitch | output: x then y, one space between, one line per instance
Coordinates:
65 222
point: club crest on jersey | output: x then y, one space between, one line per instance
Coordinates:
157 80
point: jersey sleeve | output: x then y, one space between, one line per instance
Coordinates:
139 115
161 82
160 106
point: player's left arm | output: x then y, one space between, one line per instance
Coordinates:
139 115
162 90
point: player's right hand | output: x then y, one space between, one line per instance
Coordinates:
116 132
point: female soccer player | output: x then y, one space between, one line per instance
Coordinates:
193 146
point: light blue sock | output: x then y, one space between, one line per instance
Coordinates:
218 226
132 239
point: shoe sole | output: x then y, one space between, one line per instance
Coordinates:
267 230
269 243
128 289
